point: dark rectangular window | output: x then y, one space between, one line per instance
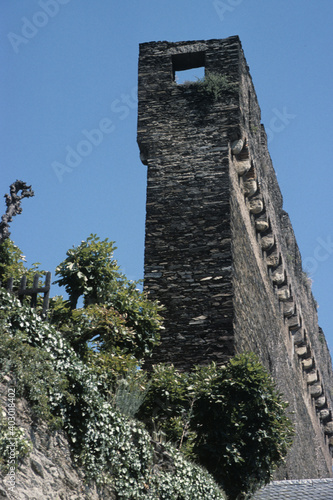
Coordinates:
188 67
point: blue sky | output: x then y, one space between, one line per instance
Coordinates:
70 67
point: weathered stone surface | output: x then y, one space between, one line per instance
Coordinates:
294 323
320 402
256 206
308 363
199 227
242 167
288 308
311 378
261 225
250 187
48 472
298 338
328 428
316 390
278 277
325 414
302 350
237 146
283 294
273 260
267 242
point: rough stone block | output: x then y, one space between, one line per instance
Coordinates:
308 363
242 167
328 428
261 225
283 294
316 390
311 378
267 242
237 146
325 414
256 206
250 187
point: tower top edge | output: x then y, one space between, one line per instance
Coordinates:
167 44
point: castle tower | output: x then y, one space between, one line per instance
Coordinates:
220 252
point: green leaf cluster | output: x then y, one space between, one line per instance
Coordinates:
117 317
215 86
60 386
12 265
89 270
229 419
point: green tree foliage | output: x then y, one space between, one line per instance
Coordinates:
229 419
79 370
12 265
67 392
166 409
117 318
89 270
240 412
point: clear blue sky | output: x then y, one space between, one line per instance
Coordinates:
70 66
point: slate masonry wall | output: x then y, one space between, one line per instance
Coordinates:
220 252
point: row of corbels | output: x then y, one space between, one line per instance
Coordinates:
256 205
313 379
277 271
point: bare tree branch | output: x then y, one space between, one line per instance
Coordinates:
13 202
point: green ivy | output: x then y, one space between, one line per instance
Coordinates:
230 419
185 481
111 447
239 411
9 455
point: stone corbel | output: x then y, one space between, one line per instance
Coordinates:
256 205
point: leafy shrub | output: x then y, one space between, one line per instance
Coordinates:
229 419
215 85
117 317
88 270
12 266
241 425
111 447
130 392
183 481
167 407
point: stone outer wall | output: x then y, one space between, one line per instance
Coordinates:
220 251
274 310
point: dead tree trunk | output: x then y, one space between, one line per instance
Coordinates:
13 202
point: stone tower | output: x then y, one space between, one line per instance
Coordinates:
220 251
